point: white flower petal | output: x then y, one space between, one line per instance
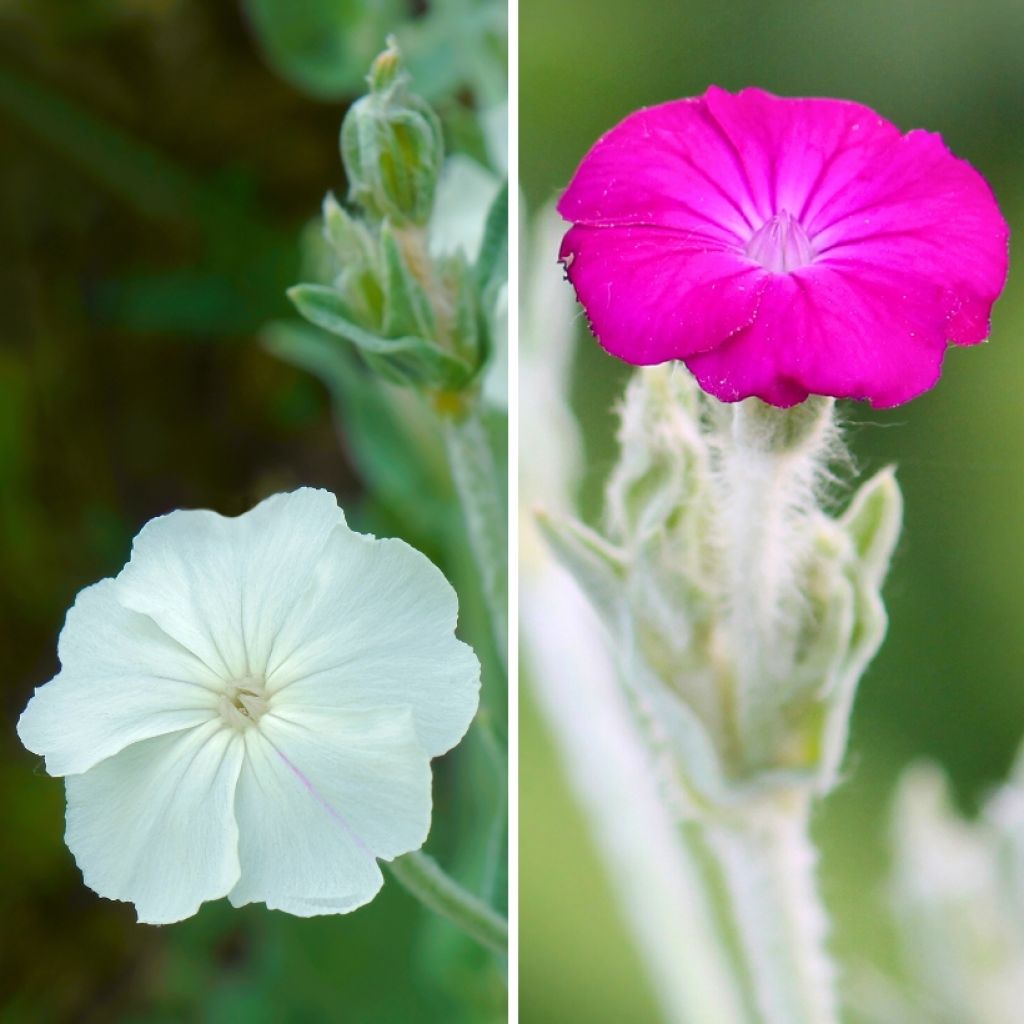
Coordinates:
376 629
321 795
154 825
223 586
317 908
122 680
465 192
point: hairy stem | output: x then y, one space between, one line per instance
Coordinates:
769 464
657 878
767 864
421 875
476 482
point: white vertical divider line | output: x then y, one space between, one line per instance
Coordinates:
513 508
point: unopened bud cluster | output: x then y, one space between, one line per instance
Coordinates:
414 316
743 612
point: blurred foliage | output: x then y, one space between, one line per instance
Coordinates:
156 178
322 48
325 46
948 682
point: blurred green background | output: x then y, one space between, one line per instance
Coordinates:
160 163
949 682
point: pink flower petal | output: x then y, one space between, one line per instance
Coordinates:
920 211
783 247
695 182
826 331
653 294
793 150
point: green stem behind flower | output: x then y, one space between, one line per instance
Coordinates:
423 878
476 482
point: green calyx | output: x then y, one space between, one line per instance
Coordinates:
392 147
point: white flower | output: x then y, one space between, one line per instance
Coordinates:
249 710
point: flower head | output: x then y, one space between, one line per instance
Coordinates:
783 247
249 710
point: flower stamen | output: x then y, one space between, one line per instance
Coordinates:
781 244
244 702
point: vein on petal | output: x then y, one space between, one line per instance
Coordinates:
332 811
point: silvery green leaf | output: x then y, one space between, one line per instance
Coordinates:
406 305
689 759
492 262
661 472
495 381
348 238
873 522
871 525
353 264
598 567
961 934
409 361
470 333
326 307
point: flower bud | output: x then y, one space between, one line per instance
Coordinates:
356 260
392 146
743 612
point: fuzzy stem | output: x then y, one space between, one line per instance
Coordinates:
769 463
656 876
476 483
424 879
767 862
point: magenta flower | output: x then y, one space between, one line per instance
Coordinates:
783 247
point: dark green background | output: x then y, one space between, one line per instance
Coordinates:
157 172
949 683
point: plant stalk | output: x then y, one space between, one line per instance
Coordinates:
421 875
658 879
767 863
476 482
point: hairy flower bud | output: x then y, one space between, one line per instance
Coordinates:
744 614
392 146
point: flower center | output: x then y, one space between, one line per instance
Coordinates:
244 702
781 244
